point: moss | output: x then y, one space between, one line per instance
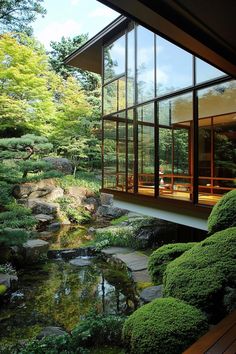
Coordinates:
119 220
201 275
163 326
161 257
223 214
3 289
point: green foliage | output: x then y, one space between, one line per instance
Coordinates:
223 214
7 268
12 237
119 220
202 275
83 179
17 15
161 257
115 236
17 216
3 289
75 214
98 329
52 345
163 326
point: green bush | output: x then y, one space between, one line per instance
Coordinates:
164 326
98 329
82 179
12 237
122 236
161 257
3 289
223 214
77 215
202 275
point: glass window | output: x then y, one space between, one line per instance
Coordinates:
145 64
146 113
110 103
130 162
114 59
110 162
131 69
217 141
205 71
121 94
173 67
176 110
146 160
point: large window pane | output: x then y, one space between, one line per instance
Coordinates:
174 67
145 64
110 98
130 69
205 71
176 110
146 160
146 113
114 59
110 157
217 141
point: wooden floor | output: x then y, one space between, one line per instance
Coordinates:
221 339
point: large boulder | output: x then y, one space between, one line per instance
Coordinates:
40 207
60 164
10 281
203 275
164 326
51 331
110 212
33 250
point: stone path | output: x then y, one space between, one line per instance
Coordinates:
136 262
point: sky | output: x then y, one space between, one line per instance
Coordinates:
69 18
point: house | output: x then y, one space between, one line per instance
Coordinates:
169 117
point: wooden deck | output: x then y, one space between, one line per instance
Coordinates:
221 339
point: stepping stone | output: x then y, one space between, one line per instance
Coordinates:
141 276
80 262
114 250
151 293
134 261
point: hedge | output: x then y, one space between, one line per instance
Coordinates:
223 214
202 275
161 257
163 326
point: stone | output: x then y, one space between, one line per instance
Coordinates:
55 226
40 207
110 212
80 262
91 204
79 194
10 281
39 193
60 164
106 199
54 194
135 261
51 331
44 218
141 276
151 293
23 190
34 249
110 251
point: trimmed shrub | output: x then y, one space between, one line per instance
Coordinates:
161 257
223 214
202 275
163 326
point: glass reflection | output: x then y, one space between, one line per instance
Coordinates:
146 113
173 67
114 59
205 71
145 64
130 68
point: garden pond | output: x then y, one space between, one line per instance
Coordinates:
58 293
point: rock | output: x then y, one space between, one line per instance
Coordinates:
51 331
34 249
55 226
54 194
44 218
151 293
23 190
110 212
106 199
39 193
80 262
79 194
91 204
40 207
60 164
9 281
110 251
91 231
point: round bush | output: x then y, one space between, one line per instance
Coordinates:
163 326
161 257
202 275
223 214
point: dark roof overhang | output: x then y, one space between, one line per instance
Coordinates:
89 55
205 28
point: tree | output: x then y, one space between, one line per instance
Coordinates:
27 87
17 15
60 50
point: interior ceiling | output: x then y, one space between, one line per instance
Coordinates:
206 28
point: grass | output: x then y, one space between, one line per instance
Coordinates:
119 220
82 179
